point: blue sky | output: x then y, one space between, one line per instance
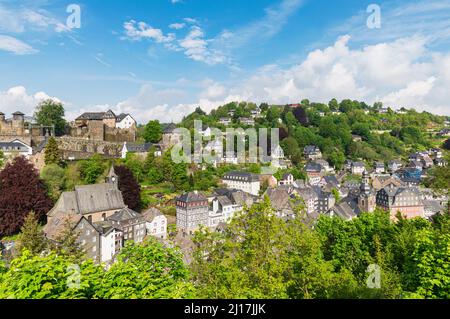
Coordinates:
162 58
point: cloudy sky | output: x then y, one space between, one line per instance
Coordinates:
160 59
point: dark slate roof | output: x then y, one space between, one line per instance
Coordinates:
88 199
18 113
311 149
313 167
395 191
13 144
124 214
358 164
331 180
224 201
139 148
237 197
170 128
41 146
191 197
347 209
121 116
96 116
104 227
241 176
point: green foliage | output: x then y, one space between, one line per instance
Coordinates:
147 271
31 237
2 159
50 113
92 169
47 277
153 132
52 152
54 177
261 256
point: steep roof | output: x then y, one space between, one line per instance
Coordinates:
55 226
151 214
124 214
89 199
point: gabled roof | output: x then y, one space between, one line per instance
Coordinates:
192 197
55 226
124 214
14 144
89 199
122 116
150 214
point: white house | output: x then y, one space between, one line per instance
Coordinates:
110 242
156 223
246 182
16 148
125 121
358 168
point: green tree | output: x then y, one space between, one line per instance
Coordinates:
153 132
54 177
91 169
31 236
147 271
67 243
49 277
51 113
52 152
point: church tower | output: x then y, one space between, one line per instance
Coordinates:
112 178
367 197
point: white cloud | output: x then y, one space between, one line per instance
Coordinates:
140 30
19 20
401 73
15 46
196 47
177 26
18 99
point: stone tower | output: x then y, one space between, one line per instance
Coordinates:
367 196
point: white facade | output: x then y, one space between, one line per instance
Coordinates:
252 187
16 147
126 123
158 227
109 244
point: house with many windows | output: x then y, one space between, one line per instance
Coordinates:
192 212
246 182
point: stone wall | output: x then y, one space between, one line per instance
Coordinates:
78 148
99 131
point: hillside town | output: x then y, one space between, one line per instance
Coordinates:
104 223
